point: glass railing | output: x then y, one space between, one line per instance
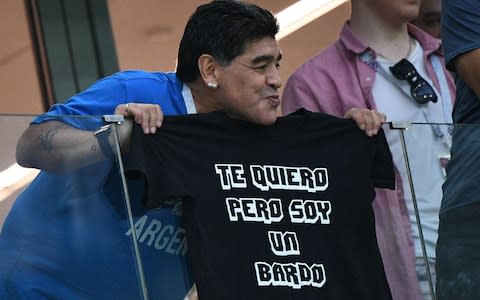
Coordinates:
80 225
77 229
421 153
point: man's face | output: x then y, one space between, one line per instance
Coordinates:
429 17
248 86
395 11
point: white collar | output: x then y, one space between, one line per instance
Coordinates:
188 98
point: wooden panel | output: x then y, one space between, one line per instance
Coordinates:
312 38
147 35
18 75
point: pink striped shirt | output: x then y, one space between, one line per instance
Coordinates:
336 80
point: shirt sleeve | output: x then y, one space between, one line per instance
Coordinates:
383 172
460 28
84 110
149 159
297 95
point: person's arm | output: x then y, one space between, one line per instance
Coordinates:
58 147
467 66
53 146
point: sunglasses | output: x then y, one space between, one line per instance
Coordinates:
420 89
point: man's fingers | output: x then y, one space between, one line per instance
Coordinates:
160 115
368 120
149 116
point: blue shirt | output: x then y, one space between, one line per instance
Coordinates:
460 34
67 235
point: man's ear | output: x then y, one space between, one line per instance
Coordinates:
206 66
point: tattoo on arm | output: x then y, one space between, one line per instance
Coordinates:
45 141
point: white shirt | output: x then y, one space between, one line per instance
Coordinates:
423 146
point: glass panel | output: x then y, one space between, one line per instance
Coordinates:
103 37
82 45
78 42
69 227
13 178
421 153
58 49
68 232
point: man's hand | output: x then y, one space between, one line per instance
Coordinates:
368 120
149 116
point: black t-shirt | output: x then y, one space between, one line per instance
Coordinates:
272 212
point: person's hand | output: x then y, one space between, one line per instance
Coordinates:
149 116
368 120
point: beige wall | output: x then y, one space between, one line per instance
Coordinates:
312 38
147 36
19 85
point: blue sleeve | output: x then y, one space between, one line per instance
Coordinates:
84 110
460 28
